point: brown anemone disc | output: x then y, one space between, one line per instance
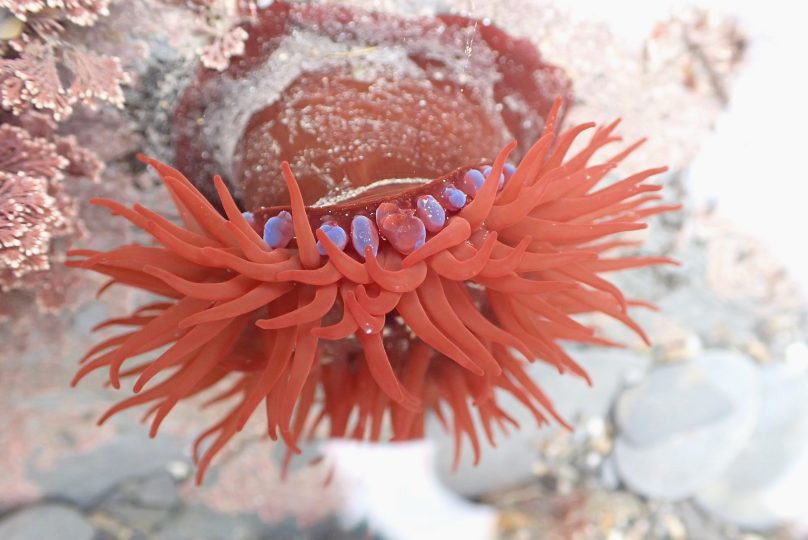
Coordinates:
349 97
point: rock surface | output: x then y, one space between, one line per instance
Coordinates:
685 423
84 478
45 522
513 461
767 483
419 506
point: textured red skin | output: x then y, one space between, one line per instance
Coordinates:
307 339
516 60
365 343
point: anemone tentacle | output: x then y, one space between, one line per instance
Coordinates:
343 339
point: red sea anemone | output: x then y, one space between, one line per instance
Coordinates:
401 272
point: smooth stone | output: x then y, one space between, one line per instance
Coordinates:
310 451
767 484
611 371
159 490
645 415
394 489
512 461
45 522
142 503
199 522
85 478
681 427
608 477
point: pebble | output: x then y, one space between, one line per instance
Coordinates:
198 522
685 423
47 521
394 489
513 461
767 484
84 478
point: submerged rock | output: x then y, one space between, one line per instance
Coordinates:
684 424
767 483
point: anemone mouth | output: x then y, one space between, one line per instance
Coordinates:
349 98
317 334
390 187
387 211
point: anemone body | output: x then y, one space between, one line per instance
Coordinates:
361 314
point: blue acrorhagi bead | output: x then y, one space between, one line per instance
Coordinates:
335 233
455 199
487 173
508 171
472 182
431 212
364 234
278 231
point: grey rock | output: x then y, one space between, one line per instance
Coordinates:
394 489
202 523
142 504
155 491
46 521
684 424
309 451
609 370
85 478
767 484
608 477
512 462
645 414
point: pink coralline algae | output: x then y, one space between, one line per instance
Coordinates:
217 55
34 208
29 214
42 69
79 12
44 73
38 217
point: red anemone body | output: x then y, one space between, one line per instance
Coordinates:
375 262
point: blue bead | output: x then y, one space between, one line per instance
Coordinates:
487 173
335 233
249 217
509 170
473 181
278 231
421 239
431 212
364 234
455 199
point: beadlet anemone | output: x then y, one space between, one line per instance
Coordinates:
368 256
